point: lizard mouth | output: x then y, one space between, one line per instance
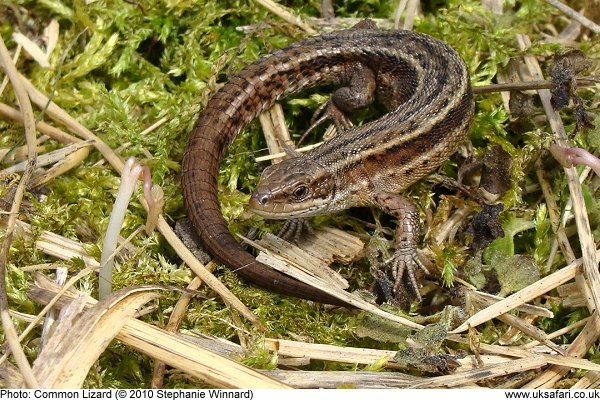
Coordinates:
260 204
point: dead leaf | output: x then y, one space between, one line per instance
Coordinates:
563 72
494 166
80 337
516 273
485 226
32 49
50 36
171 349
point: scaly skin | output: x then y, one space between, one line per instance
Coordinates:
420 79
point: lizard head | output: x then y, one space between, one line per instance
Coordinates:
293 188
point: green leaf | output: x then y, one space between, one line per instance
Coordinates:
515 273
504 247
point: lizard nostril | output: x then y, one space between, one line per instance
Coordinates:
261 198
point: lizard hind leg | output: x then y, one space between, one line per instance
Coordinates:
359 92
401 268
326 111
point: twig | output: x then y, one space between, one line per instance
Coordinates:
553 212
70 161
272 122
29 123
174 322
58 71
63 289
588 381
398 13
524 308
591 25
48 158
286 15
327 9
62 272
514 366
43 266
578 348
281 155
558 332
523 326
55 133
64 163
349 298
56 245
14 60
300 379
154 126
411 12
538 84
172 349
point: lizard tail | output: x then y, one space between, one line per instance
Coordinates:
214 131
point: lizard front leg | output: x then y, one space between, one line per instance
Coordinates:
401 268
295 229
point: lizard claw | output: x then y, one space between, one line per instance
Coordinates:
402 269
398 273
293 230
328 110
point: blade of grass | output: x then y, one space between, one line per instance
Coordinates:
29 123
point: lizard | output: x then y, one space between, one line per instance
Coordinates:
422 82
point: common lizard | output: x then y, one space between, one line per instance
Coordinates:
423 83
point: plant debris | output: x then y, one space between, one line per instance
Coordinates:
485 227
494 167
564 69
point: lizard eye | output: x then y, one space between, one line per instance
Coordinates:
300 192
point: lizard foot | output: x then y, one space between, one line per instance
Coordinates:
396 277
402 267
293 230
328 110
